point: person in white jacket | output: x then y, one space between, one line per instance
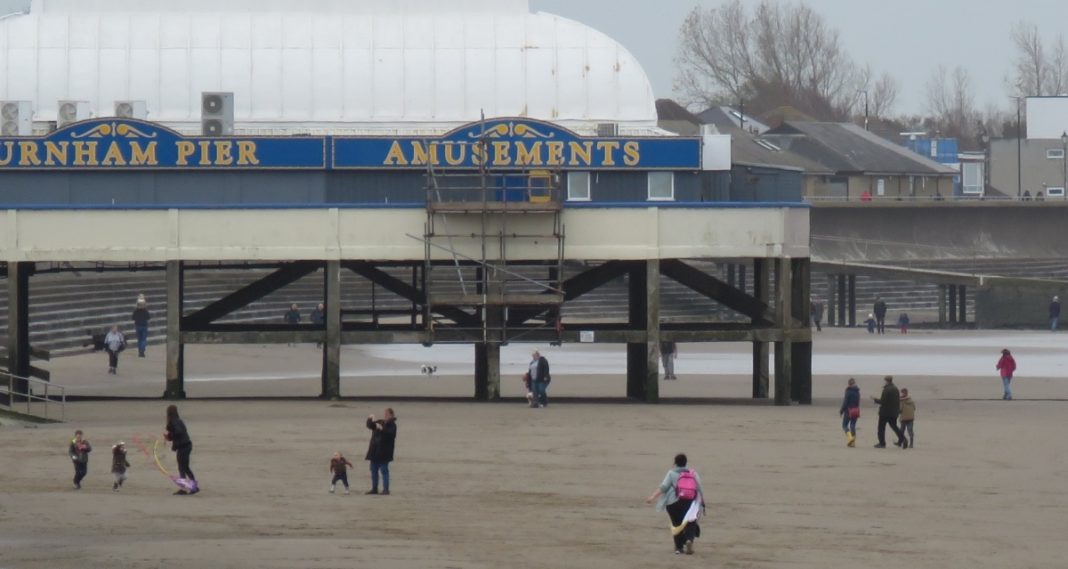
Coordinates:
114 343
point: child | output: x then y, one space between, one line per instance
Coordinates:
850 412
79 455
908 415
527 386
871 323
903 322
119 464
338 466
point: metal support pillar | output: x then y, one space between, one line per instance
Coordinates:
952 304
175 388
942 292
962 304
18 322
487 371
741 277
331 375
643 358
852 301
761 368
842 301
731 280
801 366
784 318
830 301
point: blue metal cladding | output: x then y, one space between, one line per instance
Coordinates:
945 149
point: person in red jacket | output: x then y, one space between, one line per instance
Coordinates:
1007 366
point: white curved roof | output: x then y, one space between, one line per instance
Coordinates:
337 66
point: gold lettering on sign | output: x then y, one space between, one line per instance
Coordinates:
185 150
8 154
455 159
28 154
143 156
205 153
556 153
246 153
609 148
631 153
528 156
224 153
421 155
395 157
478 154
56 153
502 153
113 157
85 153
581 153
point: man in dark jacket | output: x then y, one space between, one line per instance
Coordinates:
380 450
880 315
140 317
816 311
889 408
539 379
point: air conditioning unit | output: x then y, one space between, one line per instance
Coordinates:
71 112
131 110
217 114
607 129
16 118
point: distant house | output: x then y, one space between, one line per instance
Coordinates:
759 170
856 164
1044 170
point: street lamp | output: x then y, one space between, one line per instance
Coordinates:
865 92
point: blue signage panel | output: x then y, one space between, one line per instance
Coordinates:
124 144
517 143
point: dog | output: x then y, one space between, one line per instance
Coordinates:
427 369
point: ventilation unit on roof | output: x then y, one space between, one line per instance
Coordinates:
16 118
131 110
217 114
71 112
605 129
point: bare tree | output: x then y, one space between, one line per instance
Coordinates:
772 56
1038 70
952 105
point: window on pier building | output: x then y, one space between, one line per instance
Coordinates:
661 186
578 186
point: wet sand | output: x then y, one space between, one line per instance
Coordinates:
501 485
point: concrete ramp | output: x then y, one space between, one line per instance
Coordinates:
905 231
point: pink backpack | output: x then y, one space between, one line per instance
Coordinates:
686 487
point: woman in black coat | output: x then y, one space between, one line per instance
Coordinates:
181 444
380 450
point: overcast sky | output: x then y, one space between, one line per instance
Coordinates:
907 38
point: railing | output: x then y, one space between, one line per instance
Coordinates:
7 388
934 199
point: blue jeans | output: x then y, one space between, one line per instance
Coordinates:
1053 323
142 338
541 395
849 425
1006 383
382 467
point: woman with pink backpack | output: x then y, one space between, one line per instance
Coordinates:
681 496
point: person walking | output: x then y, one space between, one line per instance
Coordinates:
889 408
114 343
850 412
119 464
380 449
816 311
79 455
668 353
181 444
908 416
292 317
539 379
1054 313
140 318
318 317
1007 367
338 468
903 322
879 309
681 495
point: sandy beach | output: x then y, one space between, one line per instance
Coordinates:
501 485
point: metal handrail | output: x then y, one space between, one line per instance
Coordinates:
29 395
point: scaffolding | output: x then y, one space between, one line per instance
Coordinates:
470 217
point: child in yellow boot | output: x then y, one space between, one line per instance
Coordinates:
850 412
